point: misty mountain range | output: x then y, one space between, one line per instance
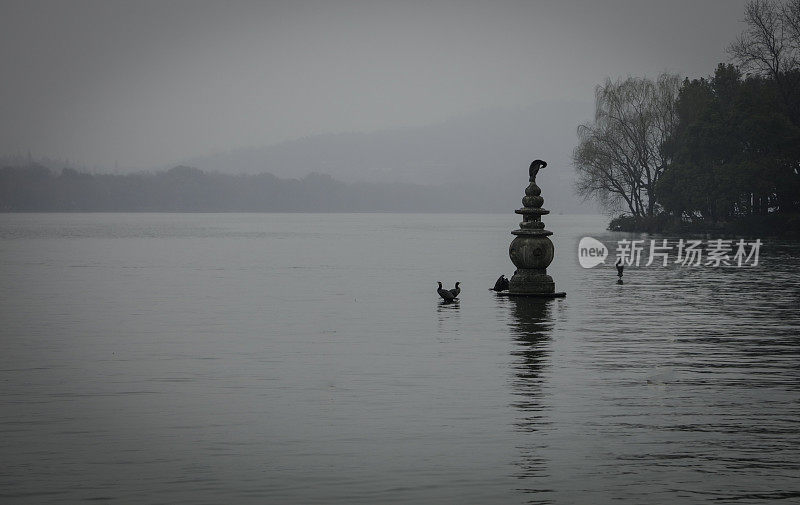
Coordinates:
488 152
473 163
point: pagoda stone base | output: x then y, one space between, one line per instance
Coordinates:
558 294
531 281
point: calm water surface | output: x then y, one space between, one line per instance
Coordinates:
301 358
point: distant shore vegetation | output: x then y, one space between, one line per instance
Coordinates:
716 154
33 187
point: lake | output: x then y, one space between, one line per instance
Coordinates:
306 358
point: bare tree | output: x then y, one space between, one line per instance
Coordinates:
791 17
764 45
770 46
619 157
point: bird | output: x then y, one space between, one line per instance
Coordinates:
501 284
445 294
456 290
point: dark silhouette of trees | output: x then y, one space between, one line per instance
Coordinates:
721 150
735 151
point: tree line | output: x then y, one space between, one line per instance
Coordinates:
36 188
707 152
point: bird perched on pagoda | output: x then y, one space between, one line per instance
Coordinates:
502 284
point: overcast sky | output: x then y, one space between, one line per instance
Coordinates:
149 83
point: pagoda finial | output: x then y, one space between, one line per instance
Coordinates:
534 169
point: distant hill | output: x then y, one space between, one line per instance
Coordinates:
485 154
473 163
36 188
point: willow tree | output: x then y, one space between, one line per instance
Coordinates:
619 157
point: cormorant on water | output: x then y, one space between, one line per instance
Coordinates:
501 284
445 294
620 267
456 290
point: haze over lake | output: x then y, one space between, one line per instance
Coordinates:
306 358
222 225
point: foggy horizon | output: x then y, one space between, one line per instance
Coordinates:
150 85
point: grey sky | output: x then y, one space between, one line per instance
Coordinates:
149 83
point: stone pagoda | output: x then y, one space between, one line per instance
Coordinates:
531 251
